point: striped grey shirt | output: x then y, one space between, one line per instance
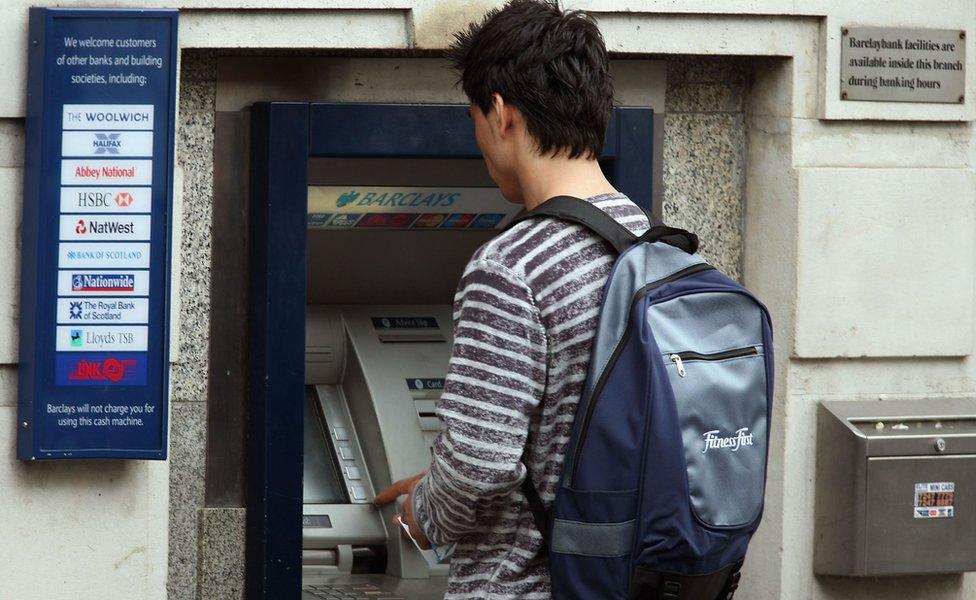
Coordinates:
525 315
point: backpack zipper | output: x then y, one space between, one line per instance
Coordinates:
638 296
679 358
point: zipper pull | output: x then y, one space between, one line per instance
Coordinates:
677 361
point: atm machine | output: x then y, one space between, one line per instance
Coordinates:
371 212
373 374
376 353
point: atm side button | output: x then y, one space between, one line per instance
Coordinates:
358 492
353 473
340 434
346 453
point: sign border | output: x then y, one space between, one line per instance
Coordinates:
39 248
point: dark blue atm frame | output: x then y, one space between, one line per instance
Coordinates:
284 135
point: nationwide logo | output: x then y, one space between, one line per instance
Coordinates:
107 143
733 442
123 199
110 369
113 227
107 282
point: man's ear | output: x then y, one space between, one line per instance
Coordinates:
502 115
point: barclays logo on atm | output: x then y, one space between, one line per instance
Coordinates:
347 198
397 199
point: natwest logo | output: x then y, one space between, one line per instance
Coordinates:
110 369
733 442
98 227
103 282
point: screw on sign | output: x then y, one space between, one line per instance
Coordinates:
123 199
80 227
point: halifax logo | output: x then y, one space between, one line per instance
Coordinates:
107 143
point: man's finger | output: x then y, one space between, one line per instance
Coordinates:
393 492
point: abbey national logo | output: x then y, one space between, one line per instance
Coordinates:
713 441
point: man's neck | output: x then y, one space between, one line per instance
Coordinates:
545 177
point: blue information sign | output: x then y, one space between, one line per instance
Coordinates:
94 344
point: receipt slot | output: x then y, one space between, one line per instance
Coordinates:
896 487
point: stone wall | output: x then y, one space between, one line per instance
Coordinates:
704 154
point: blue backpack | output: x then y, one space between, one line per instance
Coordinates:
663 481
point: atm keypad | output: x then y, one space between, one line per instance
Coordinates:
350 591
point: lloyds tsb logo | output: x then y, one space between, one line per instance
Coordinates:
713 441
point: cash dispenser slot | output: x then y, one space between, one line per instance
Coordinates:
412 338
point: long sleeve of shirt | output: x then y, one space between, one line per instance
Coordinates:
495 381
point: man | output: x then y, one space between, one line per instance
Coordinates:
527 304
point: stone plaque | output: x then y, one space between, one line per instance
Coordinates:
903 65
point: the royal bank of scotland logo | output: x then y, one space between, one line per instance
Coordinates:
107 143
347 198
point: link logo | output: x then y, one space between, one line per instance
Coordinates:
101 369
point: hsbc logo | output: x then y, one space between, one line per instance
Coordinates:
91 199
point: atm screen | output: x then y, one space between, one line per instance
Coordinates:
322 482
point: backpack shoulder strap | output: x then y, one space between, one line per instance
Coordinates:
575 210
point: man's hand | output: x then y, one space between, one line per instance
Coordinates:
400 488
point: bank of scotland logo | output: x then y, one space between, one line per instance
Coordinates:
347 198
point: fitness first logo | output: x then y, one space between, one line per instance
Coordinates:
713 441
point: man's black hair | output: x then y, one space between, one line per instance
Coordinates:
549 63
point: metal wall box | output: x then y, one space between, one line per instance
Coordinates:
896 487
